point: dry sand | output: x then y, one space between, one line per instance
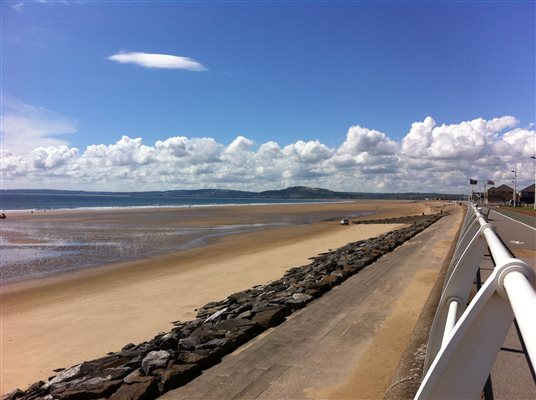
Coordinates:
58 322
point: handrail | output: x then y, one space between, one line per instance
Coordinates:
465 339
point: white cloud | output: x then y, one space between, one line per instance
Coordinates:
361 140
308 152
18 6
158 61
468 140
52 157
517 143
429 158
240 145
25 127
191 151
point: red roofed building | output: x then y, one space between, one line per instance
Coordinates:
500 194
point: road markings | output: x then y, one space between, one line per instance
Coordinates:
516 242
515 220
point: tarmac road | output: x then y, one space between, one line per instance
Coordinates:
511 376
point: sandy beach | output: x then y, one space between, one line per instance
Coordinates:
67 319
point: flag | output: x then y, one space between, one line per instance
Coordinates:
473 181
490 182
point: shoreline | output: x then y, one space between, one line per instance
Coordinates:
18 212
88 313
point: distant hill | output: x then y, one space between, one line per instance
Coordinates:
296 192
302 192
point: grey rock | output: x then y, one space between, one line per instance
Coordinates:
202 358
188 343
215 343
146 388
302 297
35 386
114 373
245 314
216 315
94 388
135 376
154 360
169 342
298 300
14 394
178 375
330 280
64 375
233 324
272 317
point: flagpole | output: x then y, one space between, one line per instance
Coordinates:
472 183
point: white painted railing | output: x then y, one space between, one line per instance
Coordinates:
465 339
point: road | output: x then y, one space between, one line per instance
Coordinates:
529 220
511 377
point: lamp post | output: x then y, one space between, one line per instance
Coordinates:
534 200
515 176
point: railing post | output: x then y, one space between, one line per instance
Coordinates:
457 286
464 241
519 287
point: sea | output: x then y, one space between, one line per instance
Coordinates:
35 244
31 201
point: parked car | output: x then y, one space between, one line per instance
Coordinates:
345 221
518 203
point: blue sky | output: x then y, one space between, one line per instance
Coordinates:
283 72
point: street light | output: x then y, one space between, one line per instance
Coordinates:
515 176
534 200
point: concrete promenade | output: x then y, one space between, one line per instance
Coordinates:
345 345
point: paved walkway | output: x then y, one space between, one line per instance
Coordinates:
345 344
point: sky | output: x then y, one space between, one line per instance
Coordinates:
385 96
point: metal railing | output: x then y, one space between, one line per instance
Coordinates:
465 338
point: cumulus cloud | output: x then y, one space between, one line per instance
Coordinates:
430 157
518 143
311 152
157 61
466 140
361 140
25 127
479 148
52 157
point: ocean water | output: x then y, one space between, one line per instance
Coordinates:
17 201
38 244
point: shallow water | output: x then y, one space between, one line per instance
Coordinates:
41 244
33 250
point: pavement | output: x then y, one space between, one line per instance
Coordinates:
511 376
344 345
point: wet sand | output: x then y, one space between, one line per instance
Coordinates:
64 320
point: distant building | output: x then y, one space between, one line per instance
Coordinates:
527 194
501 193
